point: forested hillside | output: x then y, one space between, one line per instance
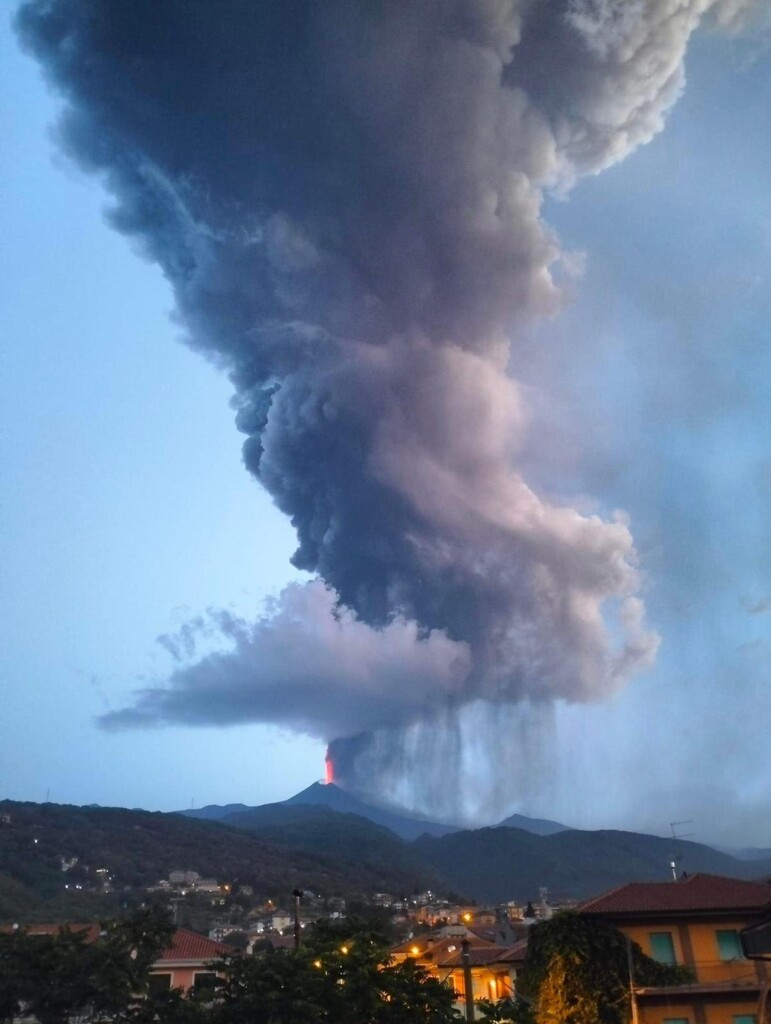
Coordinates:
47 847
497 864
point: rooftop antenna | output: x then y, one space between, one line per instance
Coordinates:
676 836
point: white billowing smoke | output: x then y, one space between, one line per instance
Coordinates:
346 198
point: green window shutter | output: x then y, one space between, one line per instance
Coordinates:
662 947
729 945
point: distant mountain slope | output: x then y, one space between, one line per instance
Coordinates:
750 853
337 799
538 826
344 837
138 848
331 796
278 847
496 864
405 825
215 812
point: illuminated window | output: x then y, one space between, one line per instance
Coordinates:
729 945
662 947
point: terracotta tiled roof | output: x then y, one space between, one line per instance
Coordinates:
190 946
698 893
184 946
515 954
478 956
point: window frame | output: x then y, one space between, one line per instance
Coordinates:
210 983
652 936
154 984
732 935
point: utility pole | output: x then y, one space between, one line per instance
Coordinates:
297 893
465 959
632 994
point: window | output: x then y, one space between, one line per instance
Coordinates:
158 984
729 945
676 1020
662 947
205 982
745 1018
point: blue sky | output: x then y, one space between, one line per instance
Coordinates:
125 507
118 452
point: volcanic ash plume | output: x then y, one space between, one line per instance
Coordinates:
345 198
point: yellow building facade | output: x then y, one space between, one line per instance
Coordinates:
695 922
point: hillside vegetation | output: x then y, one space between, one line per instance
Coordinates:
279 847
137 848
496 864
343 837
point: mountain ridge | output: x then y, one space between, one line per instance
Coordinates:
496 864
402 823
279 847
538 826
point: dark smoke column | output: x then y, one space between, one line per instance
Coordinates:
345 198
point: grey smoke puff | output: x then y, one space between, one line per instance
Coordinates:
306 664
345 198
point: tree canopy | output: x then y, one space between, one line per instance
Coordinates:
55 976
341 975
338 976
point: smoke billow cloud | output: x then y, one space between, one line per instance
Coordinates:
346 200
309 664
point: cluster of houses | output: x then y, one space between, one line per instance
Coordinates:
183 882
268 923
696 921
